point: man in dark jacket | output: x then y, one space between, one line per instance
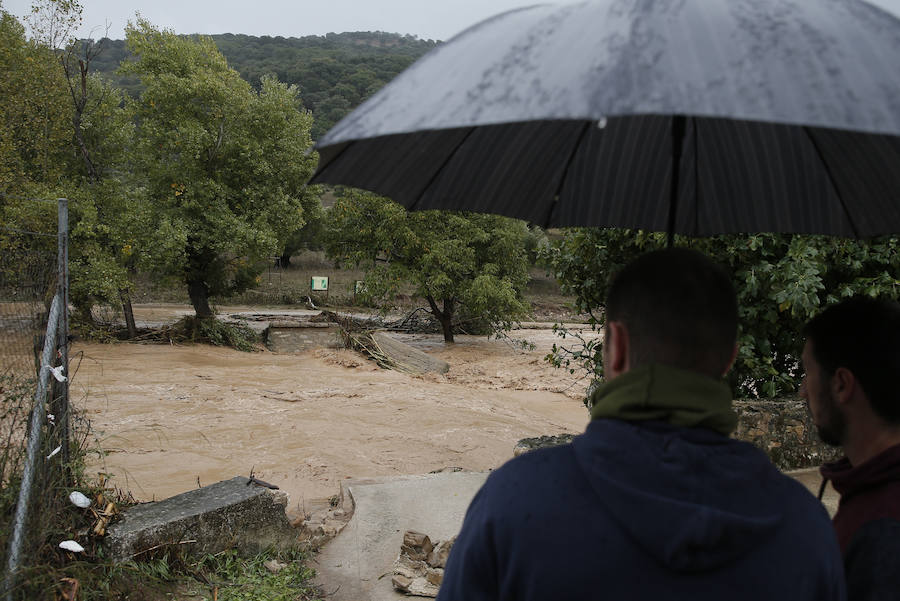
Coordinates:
654 501
852 359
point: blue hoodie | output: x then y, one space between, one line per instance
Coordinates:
636 510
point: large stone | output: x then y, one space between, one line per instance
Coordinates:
231 514
409 358
414 571
416 545
540 442
438 556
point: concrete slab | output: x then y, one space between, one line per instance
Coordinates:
299 336
356 565
228 514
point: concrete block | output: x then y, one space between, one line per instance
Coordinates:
231 514
296 337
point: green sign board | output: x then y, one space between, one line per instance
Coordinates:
318 282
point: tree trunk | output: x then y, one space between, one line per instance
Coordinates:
129 312
199 261
80 102
445 317
447 327
199 293
284 261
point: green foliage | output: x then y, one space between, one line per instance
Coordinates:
309 237
218 333
248 579
35 122
223 166
781 282
334 73
470 262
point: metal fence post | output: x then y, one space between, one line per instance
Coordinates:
63 335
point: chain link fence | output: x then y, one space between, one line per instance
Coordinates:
34 408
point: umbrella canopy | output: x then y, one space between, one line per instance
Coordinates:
690 116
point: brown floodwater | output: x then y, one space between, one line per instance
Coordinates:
170 417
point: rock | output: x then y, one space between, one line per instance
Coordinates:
274 566
401 582
438 556
416 545
419 568
541 442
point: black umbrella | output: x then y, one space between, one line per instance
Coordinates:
779 115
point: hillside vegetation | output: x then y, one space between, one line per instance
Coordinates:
334 72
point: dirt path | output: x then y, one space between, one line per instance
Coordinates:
170 415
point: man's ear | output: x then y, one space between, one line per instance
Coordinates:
617 348
843 385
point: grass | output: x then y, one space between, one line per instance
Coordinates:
290 285
231 577
286 286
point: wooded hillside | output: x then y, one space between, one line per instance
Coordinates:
334 73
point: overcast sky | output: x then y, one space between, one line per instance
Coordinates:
428 19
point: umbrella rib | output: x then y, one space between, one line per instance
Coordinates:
554 204
679 124
438 171
833 183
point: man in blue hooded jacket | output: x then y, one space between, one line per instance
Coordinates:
654 501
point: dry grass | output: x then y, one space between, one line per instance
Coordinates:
291 286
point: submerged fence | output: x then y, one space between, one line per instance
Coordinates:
34 393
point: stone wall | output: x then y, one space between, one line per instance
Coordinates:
783 429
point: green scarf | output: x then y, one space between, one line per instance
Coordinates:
682 398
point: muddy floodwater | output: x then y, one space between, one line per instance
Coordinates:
169 417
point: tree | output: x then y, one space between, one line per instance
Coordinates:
94 157
781 282
309 237
34 117
458 263
225 166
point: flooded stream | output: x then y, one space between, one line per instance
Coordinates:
170 417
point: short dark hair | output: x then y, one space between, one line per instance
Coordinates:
680 310
862 334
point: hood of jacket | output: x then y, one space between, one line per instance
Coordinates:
664 469
849 480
